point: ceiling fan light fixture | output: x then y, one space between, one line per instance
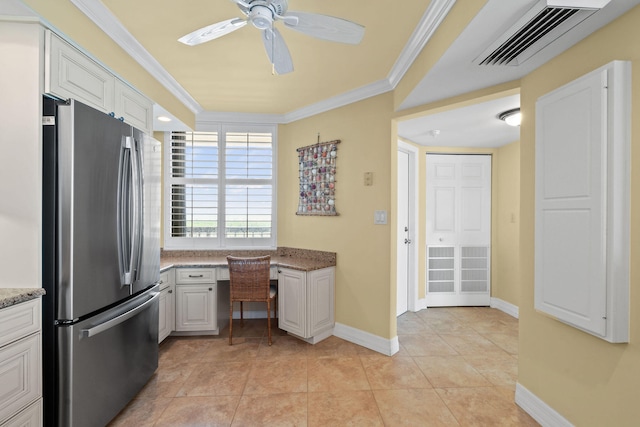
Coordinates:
261 17
511 117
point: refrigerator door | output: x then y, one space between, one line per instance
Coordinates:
106 360
148 270
90 145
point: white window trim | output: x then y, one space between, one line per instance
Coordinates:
171 243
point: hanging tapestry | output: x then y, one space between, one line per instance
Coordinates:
317 171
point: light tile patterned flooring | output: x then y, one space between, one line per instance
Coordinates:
456 367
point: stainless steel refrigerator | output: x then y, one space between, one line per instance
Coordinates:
101 262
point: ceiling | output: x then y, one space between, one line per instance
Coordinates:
230 78
233 73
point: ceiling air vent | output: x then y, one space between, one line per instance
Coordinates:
545 22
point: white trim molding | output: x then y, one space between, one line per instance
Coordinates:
538 409
437 10
506 307
388 347
97 12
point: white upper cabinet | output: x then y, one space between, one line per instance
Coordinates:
69 73
583 202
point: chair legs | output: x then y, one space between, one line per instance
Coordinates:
275 303
230 321
269 320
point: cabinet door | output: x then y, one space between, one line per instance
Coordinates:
196 307
70 74
20 375
320 300
29 417
134 108
166 313
292 296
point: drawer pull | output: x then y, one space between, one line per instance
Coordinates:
196 275
210 289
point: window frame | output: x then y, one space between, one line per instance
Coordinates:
219 242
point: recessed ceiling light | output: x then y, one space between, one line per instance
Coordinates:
511 117
163 118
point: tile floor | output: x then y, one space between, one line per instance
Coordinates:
456 367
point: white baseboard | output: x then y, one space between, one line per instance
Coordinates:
539 411
420 304
506 307
385 346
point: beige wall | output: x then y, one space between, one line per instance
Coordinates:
363 292
506 190
587 380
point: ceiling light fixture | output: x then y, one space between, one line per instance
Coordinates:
511 117
163 118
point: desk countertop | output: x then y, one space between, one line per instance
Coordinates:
296 259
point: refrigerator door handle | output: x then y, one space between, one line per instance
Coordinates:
137 187
104 326
125 212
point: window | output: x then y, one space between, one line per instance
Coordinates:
220 188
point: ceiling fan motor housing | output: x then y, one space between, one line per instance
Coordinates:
262 13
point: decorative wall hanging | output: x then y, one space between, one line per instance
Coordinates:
317 171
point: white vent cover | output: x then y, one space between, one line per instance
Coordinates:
545 22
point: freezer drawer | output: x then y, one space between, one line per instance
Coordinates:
105 361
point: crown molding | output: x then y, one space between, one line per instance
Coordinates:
206 117
431 19
429 23
107 22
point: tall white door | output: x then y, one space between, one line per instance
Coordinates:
403 233
458 230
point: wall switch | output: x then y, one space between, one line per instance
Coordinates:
368 179
380 217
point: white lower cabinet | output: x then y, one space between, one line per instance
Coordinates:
196 301
167 304
29 417
20 365
306 303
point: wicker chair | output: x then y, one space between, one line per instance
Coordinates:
250 281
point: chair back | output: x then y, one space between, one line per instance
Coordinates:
249 278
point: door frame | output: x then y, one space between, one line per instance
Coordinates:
412 269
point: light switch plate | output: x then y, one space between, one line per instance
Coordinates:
380 217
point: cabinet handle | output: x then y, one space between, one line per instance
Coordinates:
195 275
210 289
170 292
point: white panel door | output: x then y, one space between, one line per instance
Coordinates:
403 234
458 230
571 192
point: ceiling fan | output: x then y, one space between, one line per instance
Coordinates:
264 13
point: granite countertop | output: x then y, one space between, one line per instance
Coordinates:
296 259
13 296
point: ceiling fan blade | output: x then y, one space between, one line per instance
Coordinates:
212 31
243 5
277 51
325 27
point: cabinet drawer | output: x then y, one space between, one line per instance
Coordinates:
195 275
20 320
20 374
223 273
